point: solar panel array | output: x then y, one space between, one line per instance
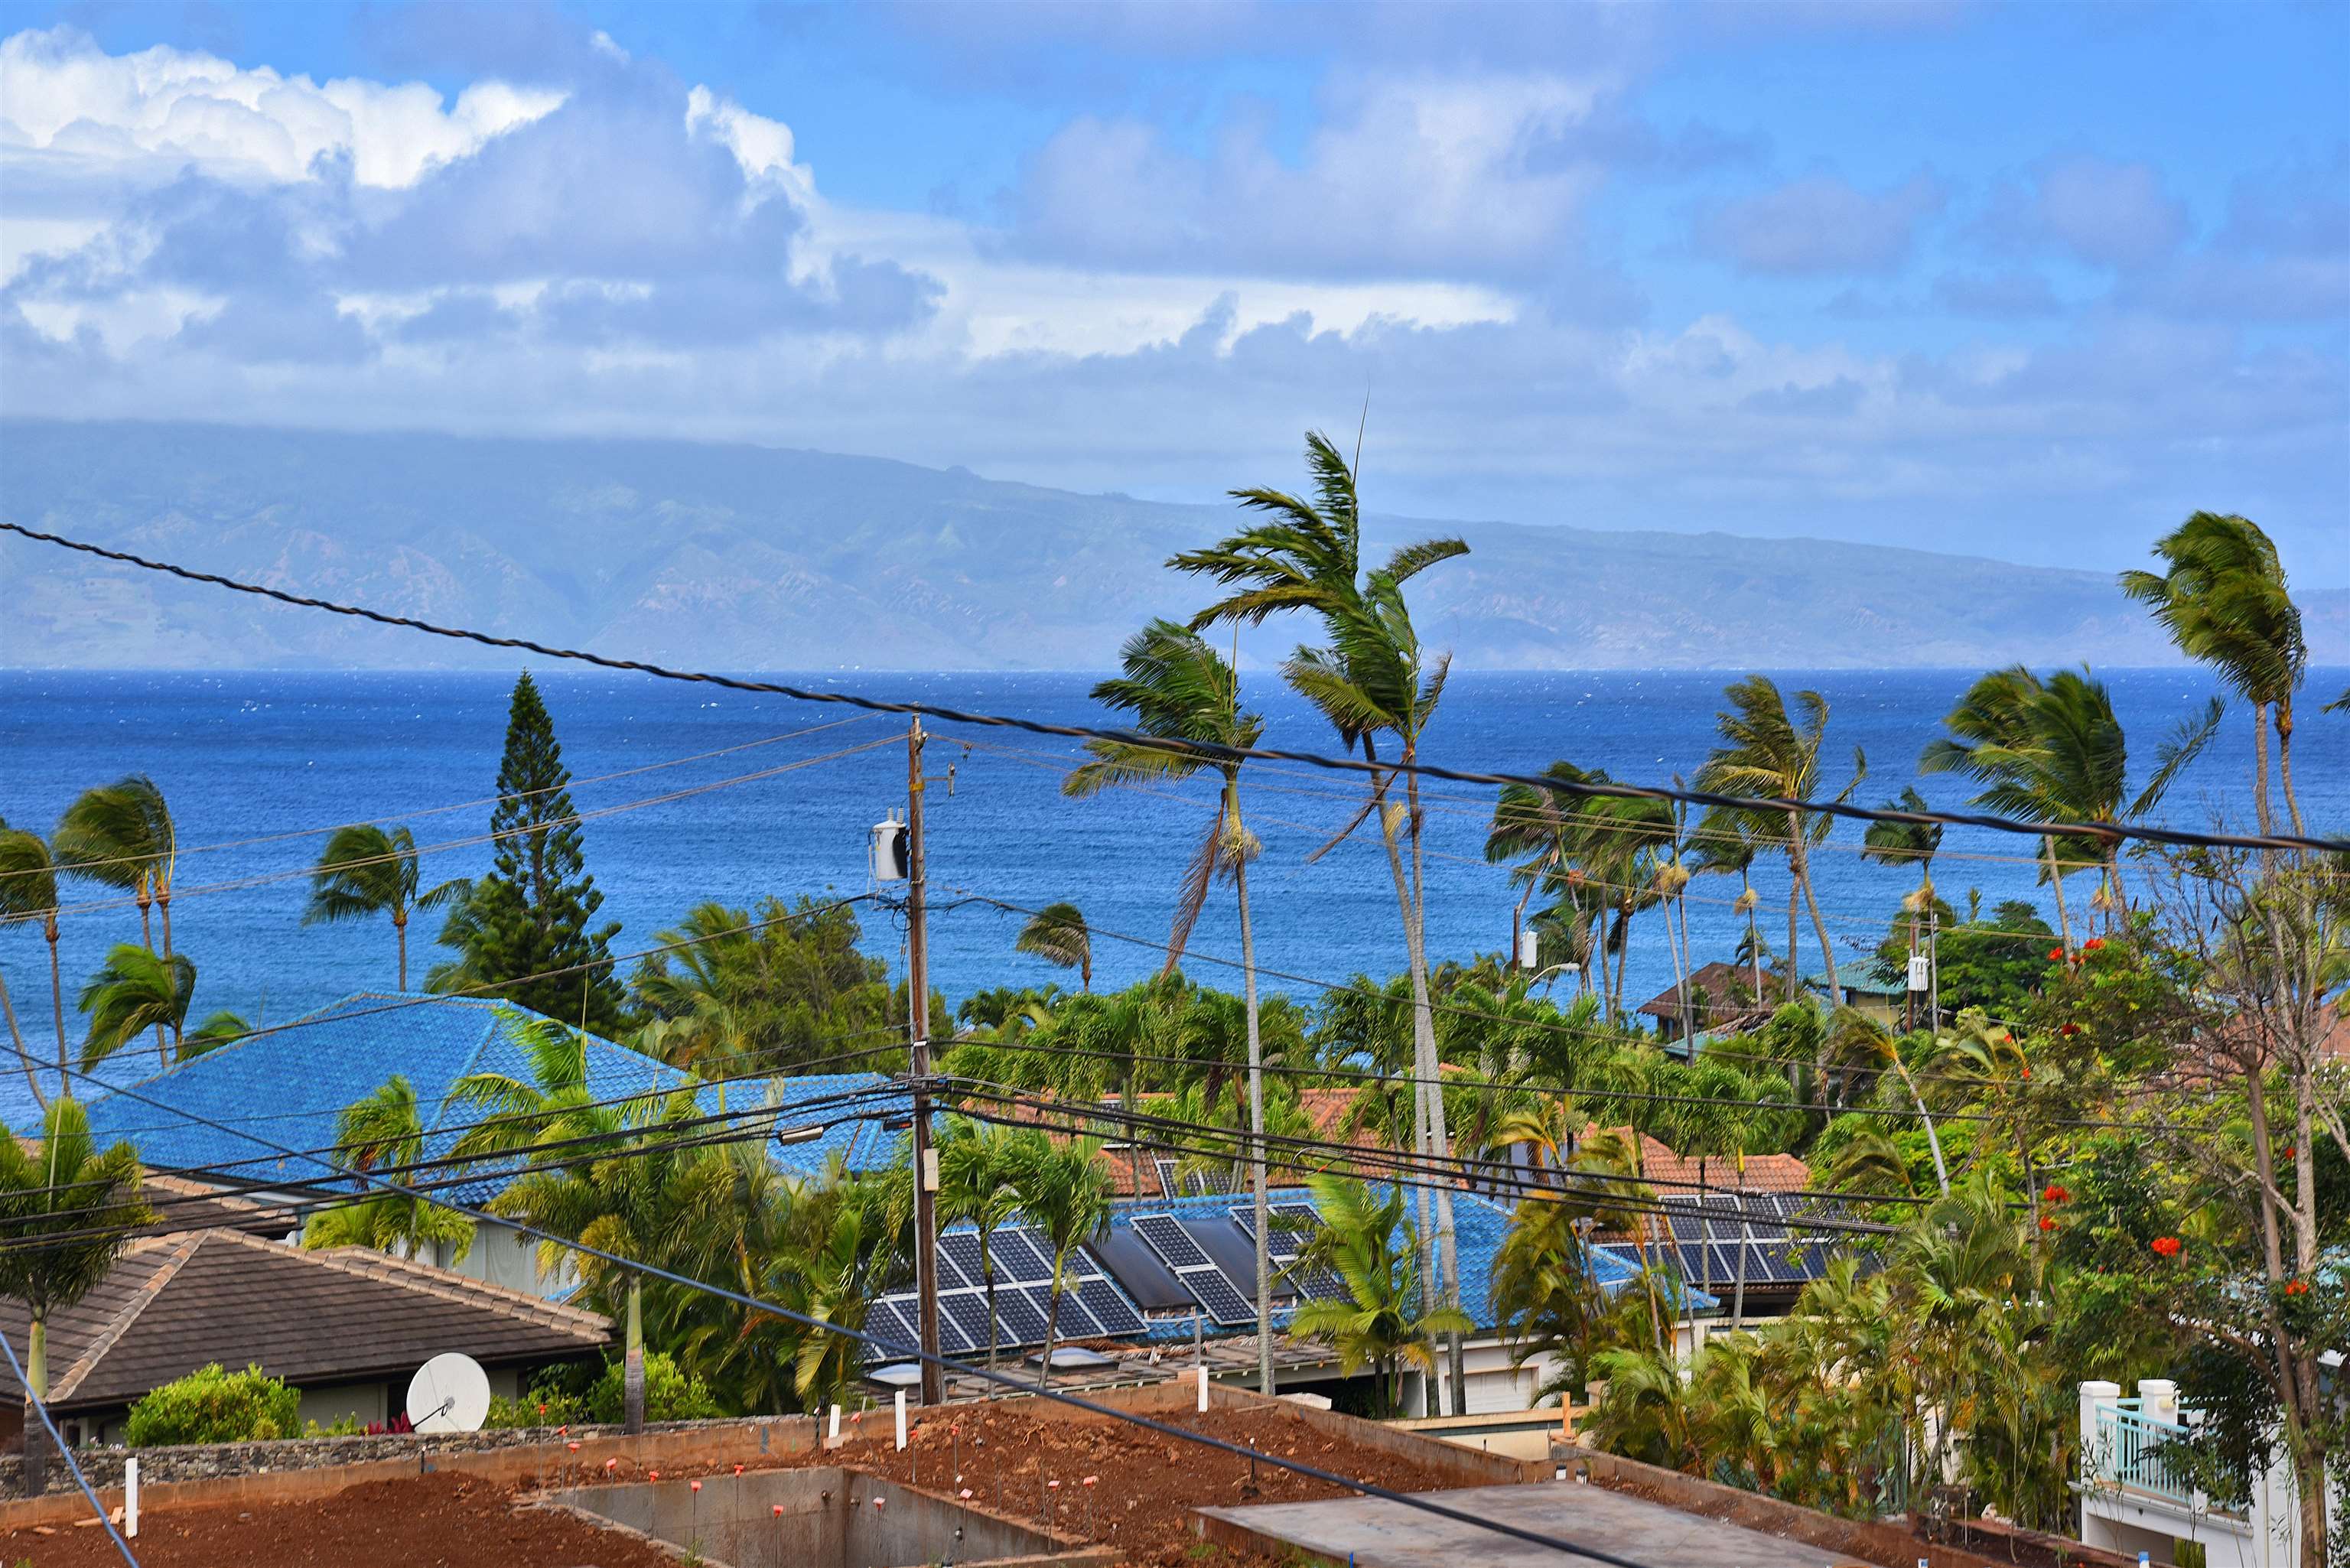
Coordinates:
1199 1273
1199 1184
1091 1306
1291 1224
1707 1235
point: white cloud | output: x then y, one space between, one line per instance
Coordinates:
1821 225
165 106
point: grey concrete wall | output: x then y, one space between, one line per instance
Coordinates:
827 1521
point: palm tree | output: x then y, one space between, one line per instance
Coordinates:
1368 1243
2054 751
1898 843
365 871
1372 679
136 990
384 1130
1065 1192
979 1172
1727 840
1765 753
1854 1034
1057 934
554 1105
2223 599
120 836
28 888
1179 689
61 1188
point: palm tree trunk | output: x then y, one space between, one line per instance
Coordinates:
1051 1328
987 1277
1745 1245
1680 986
400 930
1256 1093
1422 1033
2284 761
1439 1141
2056 881
22 1055
57 1004
2261 779
37 1380
1794 988
632 1362
145 898
1941 1171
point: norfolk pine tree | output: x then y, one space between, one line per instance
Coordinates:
531 913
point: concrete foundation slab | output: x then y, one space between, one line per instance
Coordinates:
1372 1532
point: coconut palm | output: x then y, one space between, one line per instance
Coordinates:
554 1105
66 1213
218 1028
1855 1035
1367 1243
1066 1193
365 871
2052 751
979 1173
1765 753
1901 844
2223 599
29 890
1057 934
384 1130
1727 840
136 990
1372 679
120 836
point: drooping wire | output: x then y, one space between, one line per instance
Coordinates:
1211 752
57 1442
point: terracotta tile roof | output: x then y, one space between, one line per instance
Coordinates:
344 1314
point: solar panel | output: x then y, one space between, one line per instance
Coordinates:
1194 1269
1167 1238
1293 1223
1167 1182
1217 1294
950 1276
1020 1316
1018 1258
1077 1322
1112 1311
962 1246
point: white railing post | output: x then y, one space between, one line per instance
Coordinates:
130 1497
2158 1399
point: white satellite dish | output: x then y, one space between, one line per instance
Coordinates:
450 1393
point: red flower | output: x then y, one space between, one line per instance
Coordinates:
2093 944
2056 1194
2055 955
2069 1030
2027 1073
2046 1223
2167 1246
2296 1287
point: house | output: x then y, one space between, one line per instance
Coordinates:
347 1326
1721 996
290 1084
2135 1499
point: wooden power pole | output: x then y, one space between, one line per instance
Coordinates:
918 1040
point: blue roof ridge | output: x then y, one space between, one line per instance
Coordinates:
490 1027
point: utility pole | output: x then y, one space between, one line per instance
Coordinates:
918 1041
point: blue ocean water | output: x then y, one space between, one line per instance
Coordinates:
247 754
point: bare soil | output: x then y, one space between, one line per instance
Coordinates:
440 1521
1145 1487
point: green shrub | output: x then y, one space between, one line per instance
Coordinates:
210 1405
670 1394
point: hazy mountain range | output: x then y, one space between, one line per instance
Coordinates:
749 558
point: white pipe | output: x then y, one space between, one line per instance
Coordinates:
901 1419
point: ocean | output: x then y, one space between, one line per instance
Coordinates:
253 762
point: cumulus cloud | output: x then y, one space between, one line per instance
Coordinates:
165 107
2105 214
1821 225
1464 177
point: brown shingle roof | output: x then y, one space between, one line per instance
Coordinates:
1727 991
339 1315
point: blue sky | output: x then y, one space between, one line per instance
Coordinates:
2027 281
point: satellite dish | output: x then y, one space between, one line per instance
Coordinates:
450 1393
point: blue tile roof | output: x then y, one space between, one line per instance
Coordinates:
1479 1229
290 1086
21 1113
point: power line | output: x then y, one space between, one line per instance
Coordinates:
298 872
1209 751
1560 1027
57 1443
79 867
945 1363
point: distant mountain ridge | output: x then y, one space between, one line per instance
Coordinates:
745 557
